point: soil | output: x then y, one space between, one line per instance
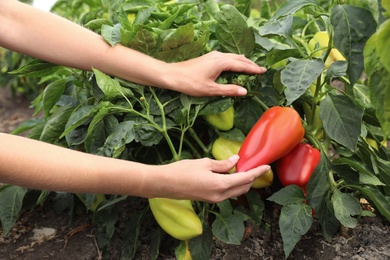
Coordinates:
75 235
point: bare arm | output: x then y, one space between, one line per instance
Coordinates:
48 167
49 37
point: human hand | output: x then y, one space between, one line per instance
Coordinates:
204 180
196 77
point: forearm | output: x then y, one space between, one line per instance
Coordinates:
57 40
43 166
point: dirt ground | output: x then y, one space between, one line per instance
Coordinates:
75 236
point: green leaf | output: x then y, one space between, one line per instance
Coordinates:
216 106
179 37
291 6
362 96
131 234
112 34
116 142
378 83
229 229
298 76
353 26
371 5
247 114
277 55
295 220
201 246
318 197
380 201
229 226
55 125
36 68
256 206
79 116
383 41
11 201
100 127
145 41
345 205
280 27
232 31
341 120
111 87
96 24
291 194
365 175
52 94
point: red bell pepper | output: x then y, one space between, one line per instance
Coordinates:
298 165
276 133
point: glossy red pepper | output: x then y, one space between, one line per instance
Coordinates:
298 165
276 133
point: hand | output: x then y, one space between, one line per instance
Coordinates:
196 77
204 180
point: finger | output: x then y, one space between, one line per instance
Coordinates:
230 90
223 166
239 63
242 178
241 182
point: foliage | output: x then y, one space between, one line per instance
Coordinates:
98 114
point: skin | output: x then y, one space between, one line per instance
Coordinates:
37 165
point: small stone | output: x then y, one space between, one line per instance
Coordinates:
42 234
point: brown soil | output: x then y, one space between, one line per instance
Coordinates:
75 236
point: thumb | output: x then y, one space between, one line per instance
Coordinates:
223 166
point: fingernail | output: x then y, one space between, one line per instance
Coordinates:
242 91
268 168
234 158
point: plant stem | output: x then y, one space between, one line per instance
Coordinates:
261 103
198 141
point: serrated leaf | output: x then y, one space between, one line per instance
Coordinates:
345 205
11 201
353 26
295 220
341 119
298 76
